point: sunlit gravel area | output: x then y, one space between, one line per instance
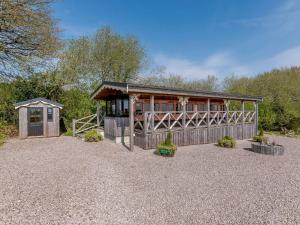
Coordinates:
67 181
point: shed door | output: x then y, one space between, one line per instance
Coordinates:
35 121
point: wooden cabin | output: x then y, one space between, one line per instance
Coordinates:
142 115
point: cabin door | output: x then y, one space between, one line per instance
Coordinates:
35 121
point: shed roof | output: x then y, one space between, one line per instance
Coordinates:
146 89
38 100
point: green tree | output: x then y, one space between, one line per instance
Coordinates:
28 34
103 56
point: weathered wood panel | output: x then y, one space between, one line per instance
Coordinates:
116 126
195 136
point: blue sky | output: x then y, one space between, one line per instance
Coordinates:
196 38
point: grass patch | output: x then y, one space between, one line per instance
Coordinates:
69 133
93 136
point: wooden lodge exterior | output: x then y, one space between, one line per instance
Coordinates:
144 115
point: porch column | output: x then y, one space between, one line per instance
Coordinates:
183 101
208 120
256 117
226 104
98 113
152 111
132 99
243 119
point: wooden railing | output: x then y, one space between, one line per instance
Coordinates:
86 123
171 120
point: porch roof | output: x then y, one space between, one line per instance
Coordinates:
131 88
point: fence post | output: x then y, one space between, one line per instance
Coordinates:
208 120
243 118
74 127
98 114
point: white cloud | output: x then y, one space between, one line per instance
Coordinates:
222 64
286 58
218 64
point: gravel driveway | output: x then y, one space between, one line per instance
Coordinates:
66 181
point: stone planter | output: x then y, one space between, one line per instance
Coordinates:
267 149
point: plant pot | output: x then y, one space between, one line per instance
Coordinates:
267 149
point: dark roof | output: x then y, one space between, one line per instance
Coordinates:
140 88
36 100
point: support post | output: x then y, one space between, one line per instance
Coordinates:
152 111
226 103
243 119
208 120
98 114
74 127
131 122
256 117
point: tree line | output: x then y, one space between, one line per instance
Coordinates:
35 62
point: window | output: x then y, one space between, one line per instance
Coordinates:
170 107
189 107
156 107
50 114
178 107
146 107
202 107
138 107
164 107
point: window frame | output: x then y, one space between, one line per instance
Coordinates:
50 119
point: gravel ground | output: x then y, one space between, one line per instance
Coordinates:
67 181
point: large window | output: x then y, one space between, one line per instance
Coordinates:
118 106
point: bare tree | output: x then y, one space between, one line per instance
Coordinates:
27 33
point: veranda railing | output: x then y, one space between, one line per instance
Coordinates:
152 121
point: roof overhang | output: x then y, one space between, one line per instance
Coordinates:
129 88
36 101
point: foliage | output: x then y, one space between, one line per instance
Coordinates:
227 142
28 32
69 132
93 136
261 137
177 81
6 131
167 148
103 56
281 92
77 104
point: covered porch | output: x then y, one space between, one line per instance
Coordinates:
142 115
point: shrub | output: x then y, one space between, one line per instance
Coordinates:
93 136
261 139
167 148
227 142
7 131
69 132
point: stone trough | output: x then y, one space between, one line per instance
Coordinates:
267 149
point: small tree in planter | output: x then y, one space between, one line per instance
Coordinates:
167 148
227 142
261 138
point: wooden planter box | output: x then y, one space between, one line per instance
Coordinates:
267 149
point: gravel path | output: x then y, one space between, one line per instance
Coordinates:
66 181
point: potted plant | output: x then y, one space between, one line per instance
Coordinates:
167 148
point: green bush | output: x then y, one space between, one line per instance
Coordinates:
227 142
93 136
261 139
167 148
69 132
7 131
